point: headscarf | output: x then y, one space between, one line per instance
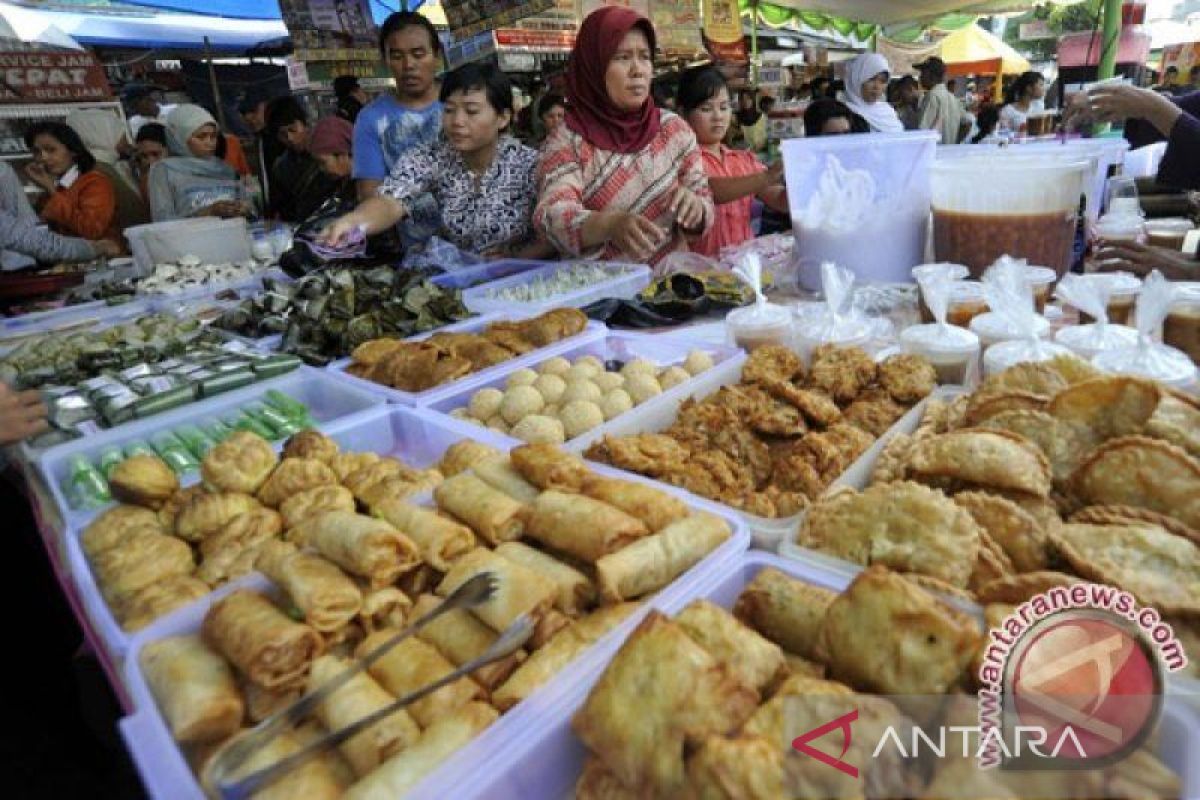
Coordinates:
879 115
330 136
183 121
590 112
100 131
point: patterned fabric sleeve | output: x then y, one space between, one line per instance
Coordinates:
560 212
413 174
693 176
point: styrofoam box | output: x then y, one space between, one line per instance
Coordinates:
616 346
768 534
625 282
591 333
488 271
419 437
327 398
546 760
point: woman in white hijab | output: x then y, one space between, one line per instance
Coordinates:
193 182
866 90
104 135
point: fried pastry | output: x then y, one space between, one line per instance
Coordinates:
772 363
361 545
744 767
137 610
1119 515
461 637
581 527
260 640
411 665
984 405
1158 568
884 634
1015 530
143 480
785 610
892 463
440 539
1013 590
547 467
206 514
499 473
754 660
346 464
841 372
115 525
490 513
141 561
310 502
230 552
649 454
992 565
874 412
519 590
325 595
1033 377
194 687
1063 445
650 563
816 406
1106 408
292 476
908 378
311 443
241 463
653 507
984 458
905 526
464 455
170 509
1177 420
1144 473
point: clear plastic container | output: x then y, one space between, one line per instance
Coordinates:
811 334
966 303
1123 290
953 351
1087 341
488 271
993 329
546 761
1021 206
955 272
624 282
1165 363
417 436
1169 233
1003 355
1041 280
755 326
1181 328
591 333
1121 229
623 347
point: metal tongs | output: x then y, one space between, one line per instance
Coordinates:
474 592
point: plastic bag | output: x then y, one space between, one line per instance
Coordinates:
1148 358
1090 294
439 255
837 322
683 261
776 251
1010 297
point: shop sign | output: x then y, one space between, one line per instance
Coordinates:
678 25
321 27
45 77
297 75
463 51
469 18
722 22
770 76
535 40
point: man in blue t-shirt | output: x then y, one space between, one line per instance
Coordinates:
396 122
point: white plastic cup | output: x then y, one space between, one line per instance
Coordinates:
1085 340
1169 233
1007 354
954 272
1041 280
1181 328
756 326
812 333
967 301
1123 291
992 329
1172 366
953 351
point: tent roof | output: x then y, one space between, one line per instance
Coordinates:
890 12
973 44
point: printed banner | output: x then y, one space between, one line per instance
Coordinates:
46 77
468 18
722 22
678 25
320 28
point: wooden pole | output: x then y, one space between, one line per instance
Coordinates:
216 90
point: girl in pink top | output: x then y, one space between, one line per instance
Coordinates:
734 176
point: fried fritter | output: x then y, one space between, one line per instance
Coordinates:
841 372
874 412
908 378
816 407
772 363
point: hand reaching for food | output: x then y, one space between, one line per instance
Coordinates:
22 414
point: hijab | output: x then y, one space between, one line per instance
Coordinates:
183 121
100 131
590 112
879 115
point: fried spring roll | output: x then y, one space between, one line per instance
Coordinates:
194 687
461 637
786 611
396 776
651 563
262 703
327 597
489 512
547 467
499 473
360 697
361 545
582 527
383 608
575 590
411 665
560 651
439 539
461 456
315 779
519 589
654 507
260 640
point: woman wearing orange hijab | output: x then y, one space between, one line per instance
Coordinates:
621 179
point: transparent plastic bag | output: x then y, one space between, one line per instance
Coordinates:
439 255
953 351
1010 298
1148 358
837 322
1091 296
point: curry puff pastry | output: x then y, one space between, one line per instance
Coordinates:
241 463
260 640
660 693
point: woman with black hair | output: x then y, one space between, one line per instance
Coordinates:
193 181
1023 96
82 200
481 178
987 121
734 176
831 118
551 111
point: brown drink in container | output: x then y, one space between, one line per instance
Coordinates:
1181 328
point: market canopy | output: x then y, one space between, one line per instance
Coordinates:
972 44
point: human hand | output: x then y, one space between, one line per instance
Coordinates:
634 234
687 208
775 173
1119 101
224 209
1141 259
106 248
338 230
38 174
22 414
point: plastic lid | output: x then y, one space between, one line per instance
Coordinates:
1119 225
1040 276
995 327
1168 225
1000 357
940 339
1088 340
822 329
1119 284
1158 362
766 315
966 292
955 272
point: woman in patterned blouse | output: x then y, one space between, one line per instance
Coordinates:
482 178
621 180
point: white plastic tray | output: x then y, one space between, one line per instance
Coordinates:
767 533
488 271
164 771
328 400
625 282
593 332
616 346
545 761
